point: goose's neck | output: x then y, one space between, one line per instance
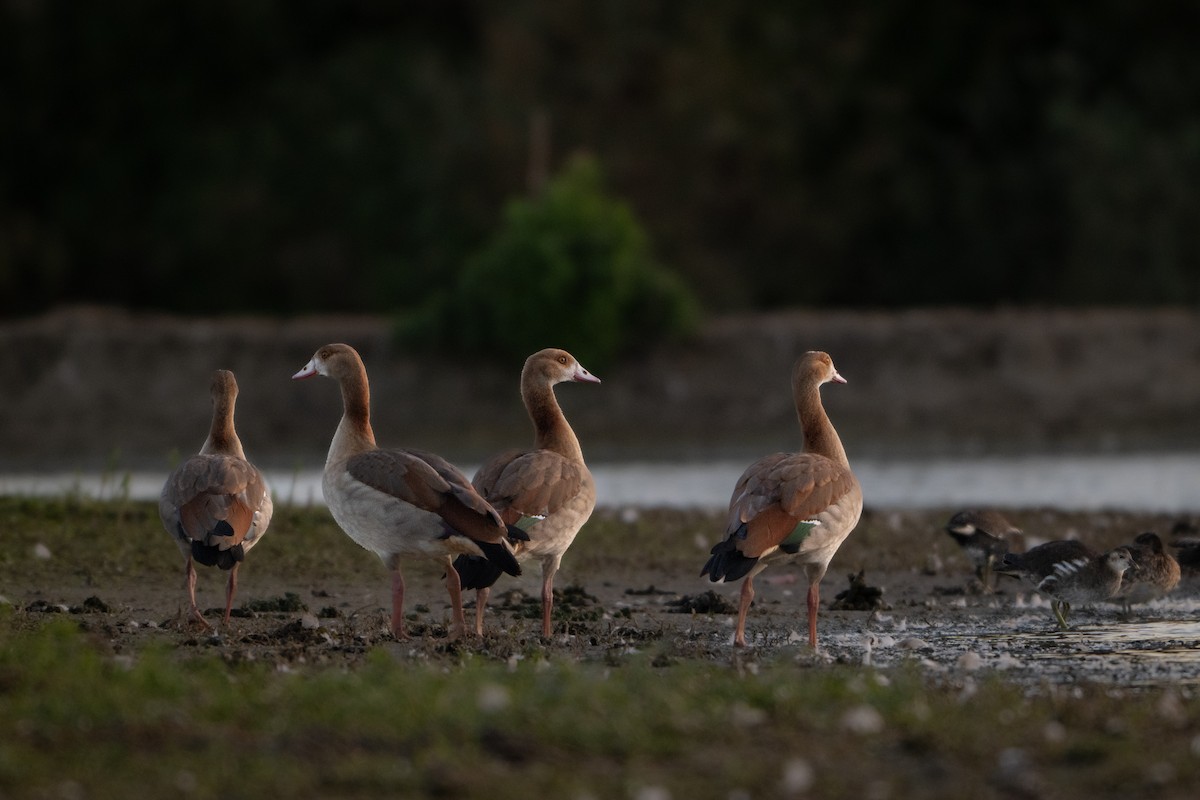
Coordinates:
354 434
222 437
820 437
552 432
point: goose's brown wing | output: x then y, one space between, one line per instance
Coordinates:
533 483
432 484
212 499
779 493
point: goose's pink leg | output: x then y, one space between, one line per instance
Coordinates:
747 597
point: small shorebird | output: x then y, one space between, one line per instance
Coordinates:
1154 573
216 504
1084 580
547 492
1034 565
985 537
791 506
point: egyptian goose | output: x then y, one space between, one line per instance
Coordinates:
547 492
216 504
1154 573
985 537
792 506
401 503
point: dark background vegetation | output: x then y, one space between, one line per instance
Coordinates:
286 156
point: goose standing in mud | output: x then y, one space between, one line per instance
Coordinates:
792 506
547 492
216 504
401 503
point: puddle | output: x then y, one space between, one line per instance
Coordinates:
1099 647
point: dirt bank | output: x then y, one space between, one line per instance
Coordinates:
86 388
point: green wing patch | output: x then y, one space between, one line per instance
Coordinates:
799 533
528 521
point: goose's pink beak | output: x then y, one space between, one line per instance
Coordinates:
309 370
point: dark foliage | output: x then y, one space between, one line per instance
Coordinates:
217 156
570 266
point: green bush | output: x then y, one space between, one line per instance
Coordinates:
571 268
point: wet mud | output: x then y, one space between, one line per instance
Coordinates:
899 593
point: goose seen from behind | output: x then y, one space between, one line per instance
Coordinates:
791 506
216 504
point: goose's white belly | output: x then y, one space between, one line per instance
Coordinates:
386 525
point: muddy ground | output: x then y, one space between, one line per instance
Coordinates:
616 600
91 389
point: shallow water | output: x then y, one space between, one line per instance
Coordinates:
1156 645
1136 482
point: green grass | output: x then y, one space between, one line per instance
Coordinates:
104 541
73 715
84 713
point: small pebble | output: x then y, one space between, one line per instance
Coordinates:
1161 773
913 643
492 698
745 716
1170 709
652 793
798 776
1054 732
862 720
1015 772
186 782
970 661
